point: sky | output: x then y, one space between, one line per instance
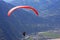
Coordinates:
8 0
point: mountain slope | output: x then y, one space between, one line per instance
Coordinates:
21 21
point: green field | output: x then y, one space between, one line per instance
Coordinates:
51 35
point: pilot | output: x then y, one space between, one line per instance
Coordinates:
24 33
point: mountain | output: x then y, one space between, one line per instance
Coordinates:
14 26
5 31
45 8
22 21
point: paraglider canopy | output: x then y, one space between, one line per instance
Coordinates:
28 7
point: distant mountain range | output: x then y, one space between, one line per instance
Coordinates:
45 8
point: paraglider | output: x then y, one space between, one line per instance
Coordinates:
17 7
24 33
